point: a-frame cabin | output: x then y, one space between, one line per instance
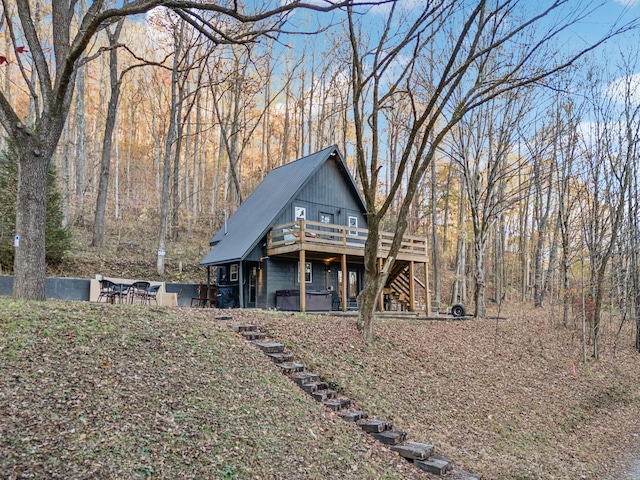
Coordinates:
297 243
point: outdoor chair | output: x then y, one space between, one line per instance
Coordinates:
121 291
201 299
107 291
152 294
138 291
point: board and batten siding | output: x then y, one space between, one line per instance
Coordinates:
326 192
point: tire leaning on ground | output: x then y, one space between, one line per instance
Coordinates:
458 310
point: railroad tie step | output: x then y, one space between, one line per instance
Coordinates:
270 347
435 464
391 437
337 404
324 395
302 378
253 335
290 367
414 450
224 317
375 426
247 327
354 416
313 386
280 357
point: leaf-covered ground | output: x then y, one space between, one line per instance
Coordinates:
505 398
124 392
111 391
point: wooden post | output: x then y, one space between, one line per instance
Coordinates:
241 285
343 267
427 293
381 297
303 282
412 286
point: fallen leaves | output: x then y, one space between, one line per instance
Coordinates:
499 397
132 393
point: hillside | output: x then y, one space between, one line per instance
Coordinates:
118 391
129 251
103 391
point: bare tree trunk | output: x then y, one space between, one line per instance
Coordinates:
166 168
157 150
29 262
65 174
110 121
80 126
541 182
197 163
479 293
311 100
132 110
188 174
445 215
499 261
523 240
368 297
116 183
553 260
434 236
177 151
287 126
459 291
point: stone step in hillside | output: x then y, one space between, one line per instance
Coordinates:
270 347
324 395
247 327
391 437
435 464
302 378
354 416
414 450
280 357
420 453
313 386
253 335
337 404
375 426
290 367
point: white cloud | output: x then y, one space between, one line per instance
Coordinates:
622 88
628 3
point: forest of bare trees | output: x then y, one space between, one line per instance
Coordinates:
523 174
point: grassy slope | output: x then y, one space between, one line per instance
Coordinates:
499 397
111 391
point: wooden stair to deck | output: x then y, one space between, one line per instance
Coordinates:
398 282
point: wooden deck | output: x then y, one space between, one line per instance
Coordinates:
334 239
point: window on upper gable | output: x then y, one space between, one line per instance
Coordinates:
353 223
300 213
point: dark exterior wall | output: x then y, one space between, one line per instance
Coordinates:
326 192
281 274
278 278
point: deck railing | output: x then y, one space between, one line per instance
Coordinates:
309 234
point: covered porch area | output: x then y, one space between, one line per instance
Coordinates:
338 246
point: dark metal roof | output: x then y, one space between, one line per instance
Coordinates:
253 219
